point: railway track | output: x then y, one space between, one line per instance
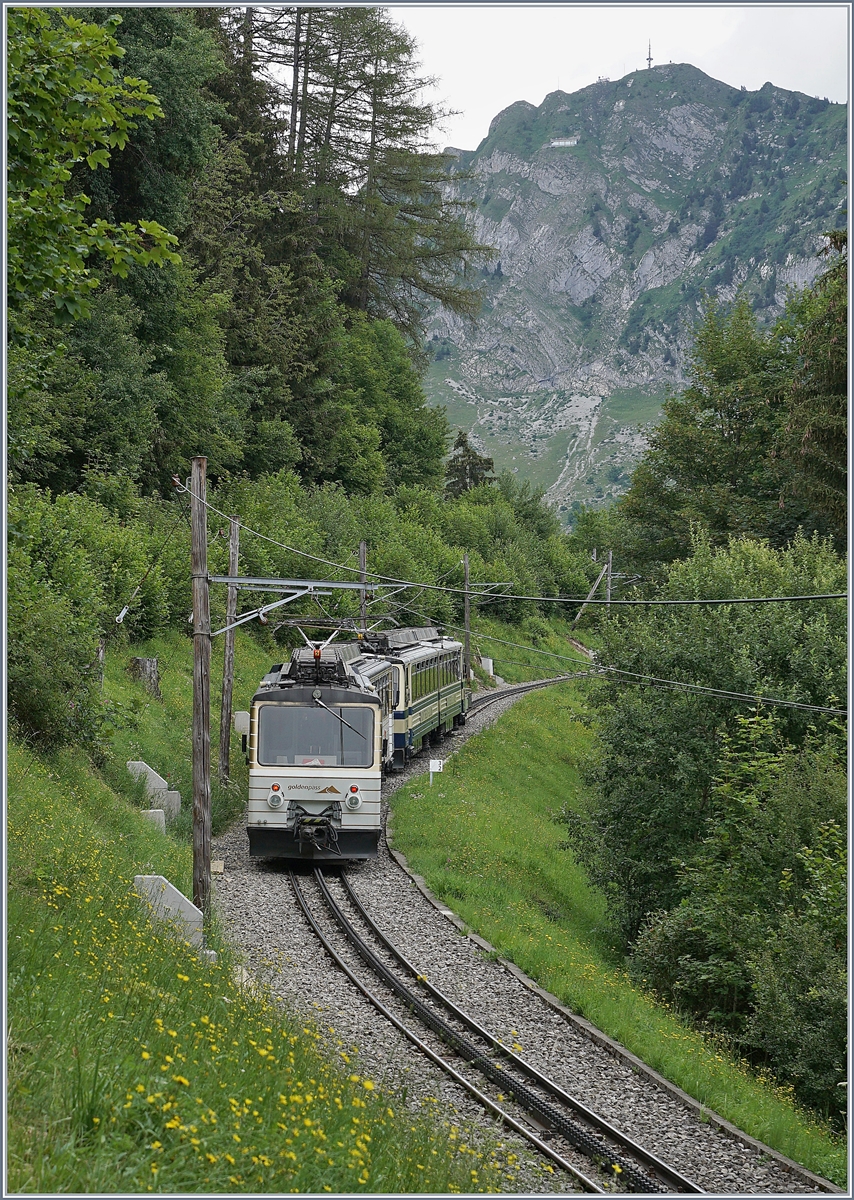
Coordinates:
481 701
559 1126
724 1160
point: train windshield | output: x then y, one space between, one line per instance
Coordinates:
309 736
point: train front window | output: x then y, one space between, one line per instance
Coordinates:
310 736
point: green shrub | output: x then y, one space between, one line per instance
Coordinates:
659 751
72 567
757 946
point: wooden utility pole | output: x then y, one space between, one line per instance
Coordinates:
467 644
590 594
363 580
608 581
228 659
201 688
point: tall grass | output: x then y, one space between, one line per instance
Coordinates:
536 649
159 732
136 1065
486 840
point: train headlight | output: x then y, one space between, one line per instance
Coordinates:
354 800
275 799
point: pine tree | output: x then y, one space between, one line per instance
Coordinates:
814 439
466 468
370 191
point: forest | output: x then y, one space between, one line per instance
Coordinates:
226 228
717 828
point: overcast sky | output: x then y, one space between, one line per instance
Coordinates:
486 56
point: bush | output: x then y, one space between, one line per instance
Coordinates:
72 567
757 946
659 751
800 1012
52 654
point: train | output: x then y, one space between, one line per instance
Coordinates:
326 726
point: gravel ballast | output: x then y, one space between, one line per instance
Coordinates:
262 920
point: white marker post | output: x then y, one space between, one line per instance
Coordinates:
436 765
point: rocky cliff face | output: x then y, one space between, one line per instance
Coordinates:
613 212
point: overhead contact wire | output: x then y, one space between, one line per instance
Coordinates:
598 670
435 587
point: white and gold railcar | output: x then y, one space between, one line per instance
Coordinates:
324 727
317 731
432 694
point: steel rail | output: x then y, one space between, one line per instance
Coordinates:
668 1175
571 1130
482 1099
479 702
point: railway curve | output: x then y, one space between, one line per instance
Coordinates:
273 938
611 1152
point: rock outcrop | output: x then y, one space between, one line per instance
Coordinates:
665 187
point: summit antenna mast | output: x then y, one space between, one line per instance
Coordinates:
649 57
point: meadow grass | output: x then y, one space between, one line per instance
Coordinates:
159 732
136 1065
536 649
486 840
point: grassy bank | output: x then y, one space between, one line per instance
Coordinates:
487 844
160 731
536 649
135 1065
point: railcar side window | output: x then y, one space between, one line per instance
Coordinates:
309 736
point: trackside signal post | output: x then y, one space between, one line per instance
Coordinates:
201 688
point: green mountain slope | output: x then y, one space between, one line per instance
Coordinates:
674 186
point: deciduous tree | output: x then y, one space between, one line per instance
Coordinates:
68 107
659 749
814 436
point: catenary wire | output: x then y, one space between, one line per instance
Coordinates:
435 587
510 662
630 677
671 684
503 641
718 693
152 564
635 677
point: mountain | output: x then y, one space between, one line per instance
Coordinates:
613 211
